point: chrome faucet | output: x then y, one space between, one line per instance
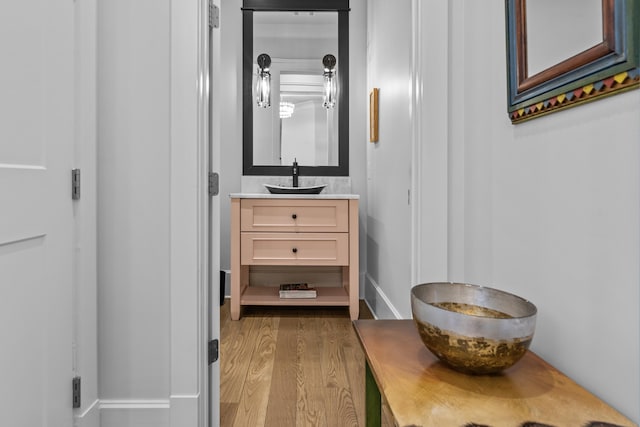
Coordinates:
294 172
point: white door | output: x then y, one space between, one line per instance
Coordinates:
36 217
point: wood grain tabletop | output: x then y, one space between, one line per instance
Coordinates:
421 391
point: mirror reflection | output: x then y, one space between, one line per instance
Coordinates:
295 125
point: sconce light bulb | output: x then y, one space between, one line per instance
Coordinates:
330 90
263 89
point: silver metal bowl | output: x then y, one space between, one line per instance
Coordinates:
473 329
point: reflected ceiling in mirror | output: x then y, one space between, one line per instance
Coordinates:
296 125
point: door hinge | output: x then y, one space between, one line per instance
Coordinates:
75 184
213 351
214 184
214 15
75 392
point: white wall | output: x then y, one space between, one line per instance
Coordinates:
230 101
388 274
552 212
548 209
358 119
134 208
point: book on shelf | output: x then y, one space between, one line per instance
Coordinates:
297 290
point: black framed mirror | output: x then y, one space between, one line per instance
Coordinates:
317 137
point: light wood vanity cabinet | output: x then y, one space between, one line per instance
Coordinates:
294 240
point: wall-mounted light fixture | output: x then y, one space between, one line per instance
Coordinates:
286 109
263 87
330 84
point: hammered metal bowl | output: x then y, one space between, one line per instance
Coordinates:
473 329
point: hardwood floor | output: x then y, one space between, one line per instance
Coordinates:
289 366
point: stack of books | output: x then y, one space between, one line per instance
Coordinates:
297 290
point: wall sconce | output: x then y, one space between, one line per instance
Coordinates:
330 85
263 87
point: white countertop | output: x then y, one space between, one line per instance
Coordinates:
292 196
255 184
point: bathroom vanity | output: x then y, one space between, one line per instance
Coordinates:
277 239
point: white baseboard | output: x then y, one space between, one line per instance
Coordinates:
90 417
134 404
173 412
378 302
184 411
135 413
371 309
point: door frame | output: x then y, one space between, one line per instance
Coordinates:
430 150
189 213
85 284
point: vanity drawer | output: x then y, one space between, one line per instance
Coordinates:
294 215
294 249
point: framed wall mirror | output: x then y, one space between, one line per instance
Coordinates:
295 87
562 53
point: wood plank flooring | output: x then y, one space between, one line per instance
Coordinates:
290 366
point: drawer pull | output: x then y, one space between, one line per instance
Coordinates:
294 216
294 250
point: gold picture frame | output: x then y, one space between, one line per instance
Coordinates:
373 115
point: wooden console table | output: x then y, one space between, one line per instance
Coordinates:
421 391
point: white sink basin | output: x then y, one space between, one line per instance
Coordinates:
280 189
